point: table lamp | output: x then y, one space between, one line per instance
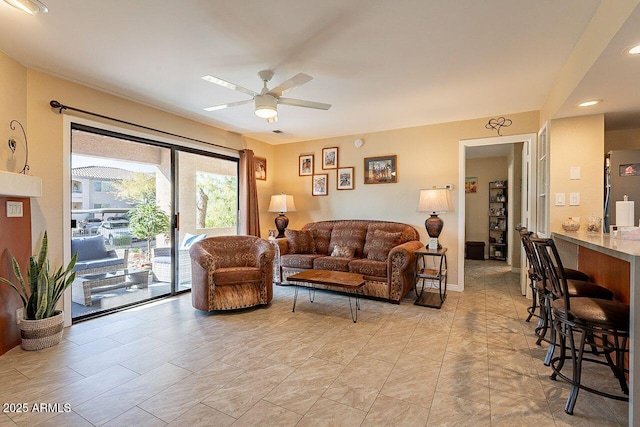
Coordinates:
282 203
434 200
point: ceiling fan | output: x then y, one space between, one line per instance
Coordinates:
267 100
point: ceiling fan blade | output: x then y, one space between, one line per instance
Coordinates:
295 81
230 104
228 85
301 103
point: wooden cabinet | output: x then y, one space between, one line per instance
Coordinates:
498 214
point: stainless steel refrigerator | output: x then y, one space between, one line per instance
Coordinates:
622 178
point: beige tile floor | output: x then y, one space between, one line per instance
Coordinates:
473 363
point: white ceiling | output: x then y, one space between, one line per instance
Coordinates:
382 64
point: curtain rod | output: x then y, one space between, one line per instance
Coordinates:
61 107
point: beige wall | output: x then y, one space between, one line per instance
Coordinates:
577 141
427 156
627 139
477 204
13 87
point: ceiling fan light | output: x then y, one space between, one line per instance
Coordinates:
29 6
266 106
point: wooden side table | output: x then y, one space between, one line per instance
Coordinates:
431 266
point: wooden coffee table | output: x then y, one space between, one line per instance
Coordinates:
350 282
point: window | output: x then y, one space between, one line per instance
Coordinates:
102 186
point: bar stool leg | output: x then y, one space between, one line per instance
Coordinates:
543 324
577 369
534 298
554 333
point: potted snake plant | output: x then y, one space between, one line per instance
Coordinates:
42 324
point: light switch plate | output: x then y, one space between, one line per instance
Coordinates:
574 172
574 199
14 210
560 199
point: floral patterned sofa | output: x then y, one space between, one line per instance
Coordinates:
382 251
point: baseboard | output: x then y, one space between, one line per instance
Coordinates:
453 287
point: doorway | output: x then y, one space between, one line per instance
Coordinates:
522 184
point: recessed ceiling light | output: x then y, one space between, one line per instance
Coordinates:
29 6
590 103
634 50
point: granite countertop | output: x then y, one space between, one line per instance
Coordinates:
601 242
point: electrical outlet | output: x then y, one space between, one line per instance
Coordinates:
19 315
448 186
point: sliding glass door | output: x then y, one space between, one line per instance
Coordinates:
137 206
207 194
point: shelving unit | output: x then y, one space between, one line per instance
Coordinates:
431 268
498 214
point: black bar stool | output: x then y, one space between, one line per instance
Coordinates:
600 323
579 285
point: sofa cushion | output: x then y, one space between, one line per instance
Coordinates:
323 235
343 251
89 248
408 233
381 244
331 263
368 267
236 275
298 260
301 241
349 233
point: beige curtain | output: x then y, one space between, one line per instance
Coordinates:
249 217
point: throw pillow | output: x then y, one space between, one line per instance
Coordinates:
382 243
189 239
301 241
343 251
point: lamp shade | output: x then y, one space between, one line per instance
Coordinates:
435 200
282 203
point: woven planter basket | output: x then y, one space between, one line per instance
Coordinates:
43 333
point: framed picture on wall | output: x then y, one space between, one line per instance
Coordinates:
330 158
260 166
381 170
320 187
305 166
345 178
471 184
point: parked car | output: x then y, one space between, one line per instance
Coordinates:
89 225
115 229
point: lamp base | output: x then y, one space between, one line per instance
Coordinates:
281 224
434 225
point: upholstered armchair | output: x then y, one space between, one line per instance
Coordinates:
230 272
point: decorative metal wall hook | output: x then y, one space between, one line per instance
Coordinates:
497 124
12 145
